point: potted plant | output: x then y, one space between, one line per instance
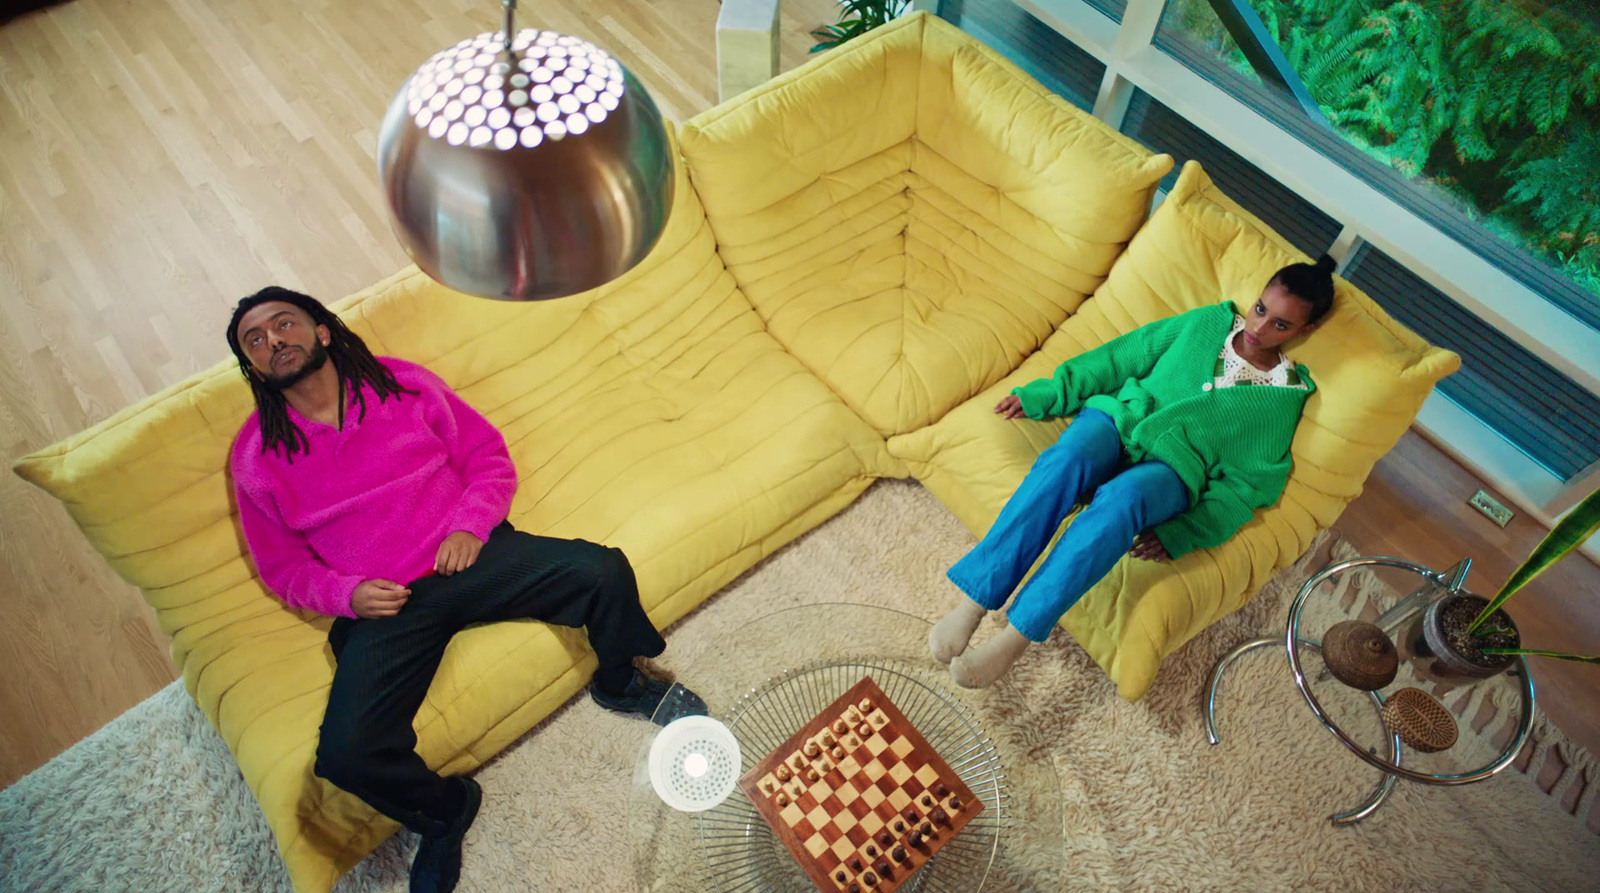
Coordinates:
857 17
1462 637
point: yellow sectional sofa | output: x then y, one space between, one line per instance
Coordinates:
860 256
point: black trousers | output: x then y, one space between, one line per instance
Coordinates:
385 665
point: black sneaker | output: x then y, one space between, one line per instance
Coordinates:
644 696
437 865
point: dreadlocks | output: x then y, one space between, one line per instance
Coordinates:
351 359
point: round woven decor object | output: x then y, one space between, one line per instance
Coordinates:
1420 720
1360 655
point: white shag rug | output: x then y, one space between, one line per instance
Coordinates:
153 802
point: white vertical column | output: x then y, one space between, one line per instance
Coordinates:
1138 28
1344 248
747 45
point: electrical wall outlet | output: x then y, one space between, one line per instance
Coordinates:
1491 508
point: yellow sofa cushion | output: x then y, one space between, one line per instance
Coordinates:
655 414
1372 376
912 215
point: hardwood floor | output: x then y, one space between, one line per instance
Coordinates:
159 159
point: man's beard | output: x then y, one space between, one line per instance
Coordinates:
314 361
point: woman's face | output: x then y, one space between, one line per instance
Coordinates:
1276 317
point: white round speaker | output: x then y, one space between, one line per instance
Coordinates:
694 763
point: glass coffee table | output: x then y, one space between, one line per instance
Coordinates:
770 677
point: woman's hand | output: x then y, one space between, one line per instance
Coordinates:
1010 407
1148 548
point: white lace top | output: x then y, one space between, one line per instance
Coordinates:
1233 369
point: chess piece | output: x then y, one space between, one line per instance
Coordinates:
881 867
899 826
927 830
941 790
910 814
855 863
869 879
854 887
811 775
955 804
866 705
1360 655
812 750
885 838
926 800
864 730
915 839
783 773
783 800
899 853
940 818
841 877
870 850
840 726
837 753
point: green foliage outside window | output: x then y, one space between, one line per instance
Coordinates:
1495 101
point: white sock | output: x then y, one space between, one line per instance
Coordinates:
982 666
949 637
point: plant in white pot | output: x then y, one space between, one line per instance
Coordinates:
857 17
1461 637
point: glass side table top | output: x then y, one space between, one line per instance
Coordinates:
1490 706
777 672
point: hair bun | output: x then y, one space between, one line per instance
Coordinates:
1326 263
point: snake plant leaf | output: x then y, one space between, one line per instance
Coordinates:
1558 655
1579 524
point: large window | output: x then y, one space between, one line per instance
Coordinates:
1482 116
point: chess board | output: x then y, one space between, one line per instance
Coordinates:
858 797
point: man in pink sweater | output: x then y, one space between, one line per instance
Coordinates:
368 490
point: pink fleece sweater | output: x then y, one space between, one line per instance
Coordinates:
374 500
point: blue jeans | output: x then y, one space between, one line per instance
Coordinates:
1127 500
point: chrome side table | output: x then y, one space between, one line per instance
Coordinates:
1435 584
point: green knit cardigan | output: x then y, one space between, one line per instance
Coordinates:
1229 445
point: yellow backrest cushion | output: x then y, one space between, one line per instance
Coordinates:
912 214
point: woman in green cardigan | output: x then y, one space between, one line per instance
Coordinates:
1183 430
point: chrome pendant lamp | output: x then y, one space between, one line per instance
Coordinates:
525 165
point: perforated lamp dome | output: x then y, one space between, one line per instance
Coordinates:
524 165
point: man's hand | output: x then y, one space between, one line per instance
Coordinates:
378 598
457 553
1010 407
1149 548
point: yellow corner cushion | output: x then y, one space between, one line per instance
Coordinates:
655 414
911 214
1372 375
